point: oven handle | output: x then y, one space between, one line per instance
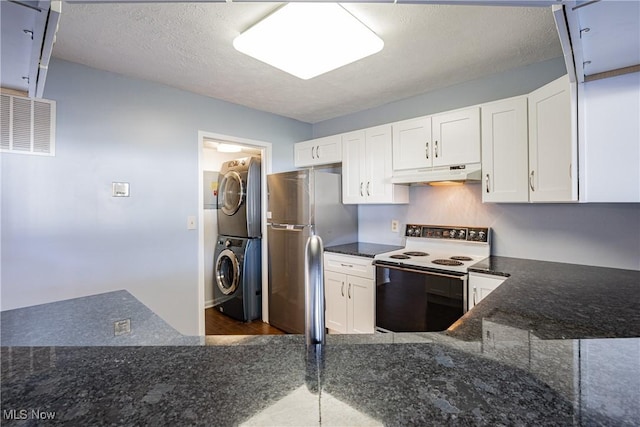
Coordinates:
451 276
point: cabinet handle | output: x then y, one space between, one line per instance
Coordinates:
349 291
347 265
427 150
486 180
361 193
312 155
531 181
342 289
317 151
368 185
436 149
475 292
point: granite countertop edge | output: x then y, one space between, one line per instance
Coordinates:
362 249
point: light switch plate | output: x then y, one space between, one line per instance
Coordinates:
191 223
120 189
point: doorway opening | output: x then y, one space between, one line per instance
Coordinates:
214 150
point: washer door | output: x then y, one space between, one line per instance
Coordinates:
227 272
231 193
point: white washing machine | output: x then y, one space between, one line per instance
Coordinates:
239 198
237 274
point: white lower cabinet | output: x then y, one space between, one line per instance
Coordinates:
481 285
349 283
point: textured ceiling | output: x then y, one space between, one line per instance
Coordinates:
189 46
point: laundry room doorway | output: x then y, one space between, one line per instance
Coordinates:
216 153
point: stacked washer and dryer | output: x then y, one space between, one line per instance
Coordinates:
237 257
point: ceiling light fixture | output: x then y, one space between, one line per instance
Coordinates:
229 148
309 39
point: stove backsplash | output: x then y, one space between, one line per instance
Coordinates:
592 234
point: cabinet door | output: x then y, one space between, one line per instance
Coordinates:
412 145
353 167
302 153
481 285
552 143
360 305
335 291
505 156
318 151
378 166
456 137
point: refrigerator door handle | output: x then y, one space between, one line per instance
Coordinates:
287 227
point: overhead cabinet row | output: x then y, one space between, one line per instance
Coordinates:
523 149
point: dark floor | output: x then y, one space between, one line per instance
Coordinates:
216 323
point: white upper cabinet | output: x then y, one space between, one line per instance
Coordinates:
529 146
553 143
320 151
456 137
412 144
446 139
505 155
609 135
367 168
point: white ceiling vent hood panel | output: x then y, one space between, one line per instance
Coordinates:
470 172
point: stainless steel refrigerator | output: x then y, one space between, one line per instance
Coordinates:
301 203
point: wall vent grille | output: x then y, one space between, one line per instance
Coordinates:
27 126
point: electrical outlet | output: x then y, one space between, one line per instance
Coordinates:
395 225
122 327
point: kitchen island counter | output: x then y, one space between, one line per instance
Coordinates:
281 382
528 354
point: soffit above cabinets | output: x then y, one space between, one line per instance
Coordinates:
605 36
27 35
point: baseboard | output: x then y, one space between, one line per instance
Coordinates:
208 304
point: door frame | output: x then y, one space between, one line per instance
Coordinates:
265 169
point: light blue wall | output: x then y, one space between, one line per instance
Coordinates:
64 236
594 234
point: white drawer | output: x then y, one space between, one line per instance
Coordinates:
349 264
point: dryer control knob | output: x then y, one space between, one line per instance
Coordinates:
227 243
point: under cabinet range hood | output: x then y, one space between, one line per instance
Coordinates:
455 173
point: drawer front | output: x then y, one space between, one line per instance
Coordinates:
348 264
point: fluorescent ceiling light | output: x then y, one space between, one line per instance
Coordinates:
229 148
309 39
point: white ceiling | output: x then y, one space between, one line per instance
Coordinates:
189 46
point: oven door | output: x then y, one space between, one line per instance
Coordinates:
418 301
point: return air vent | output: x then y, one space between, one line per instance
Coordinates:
27 126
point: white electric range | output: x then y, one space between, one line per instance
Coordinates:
423 287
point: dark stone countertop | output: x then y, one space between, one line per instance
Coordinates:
545 348
556 300
362 249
